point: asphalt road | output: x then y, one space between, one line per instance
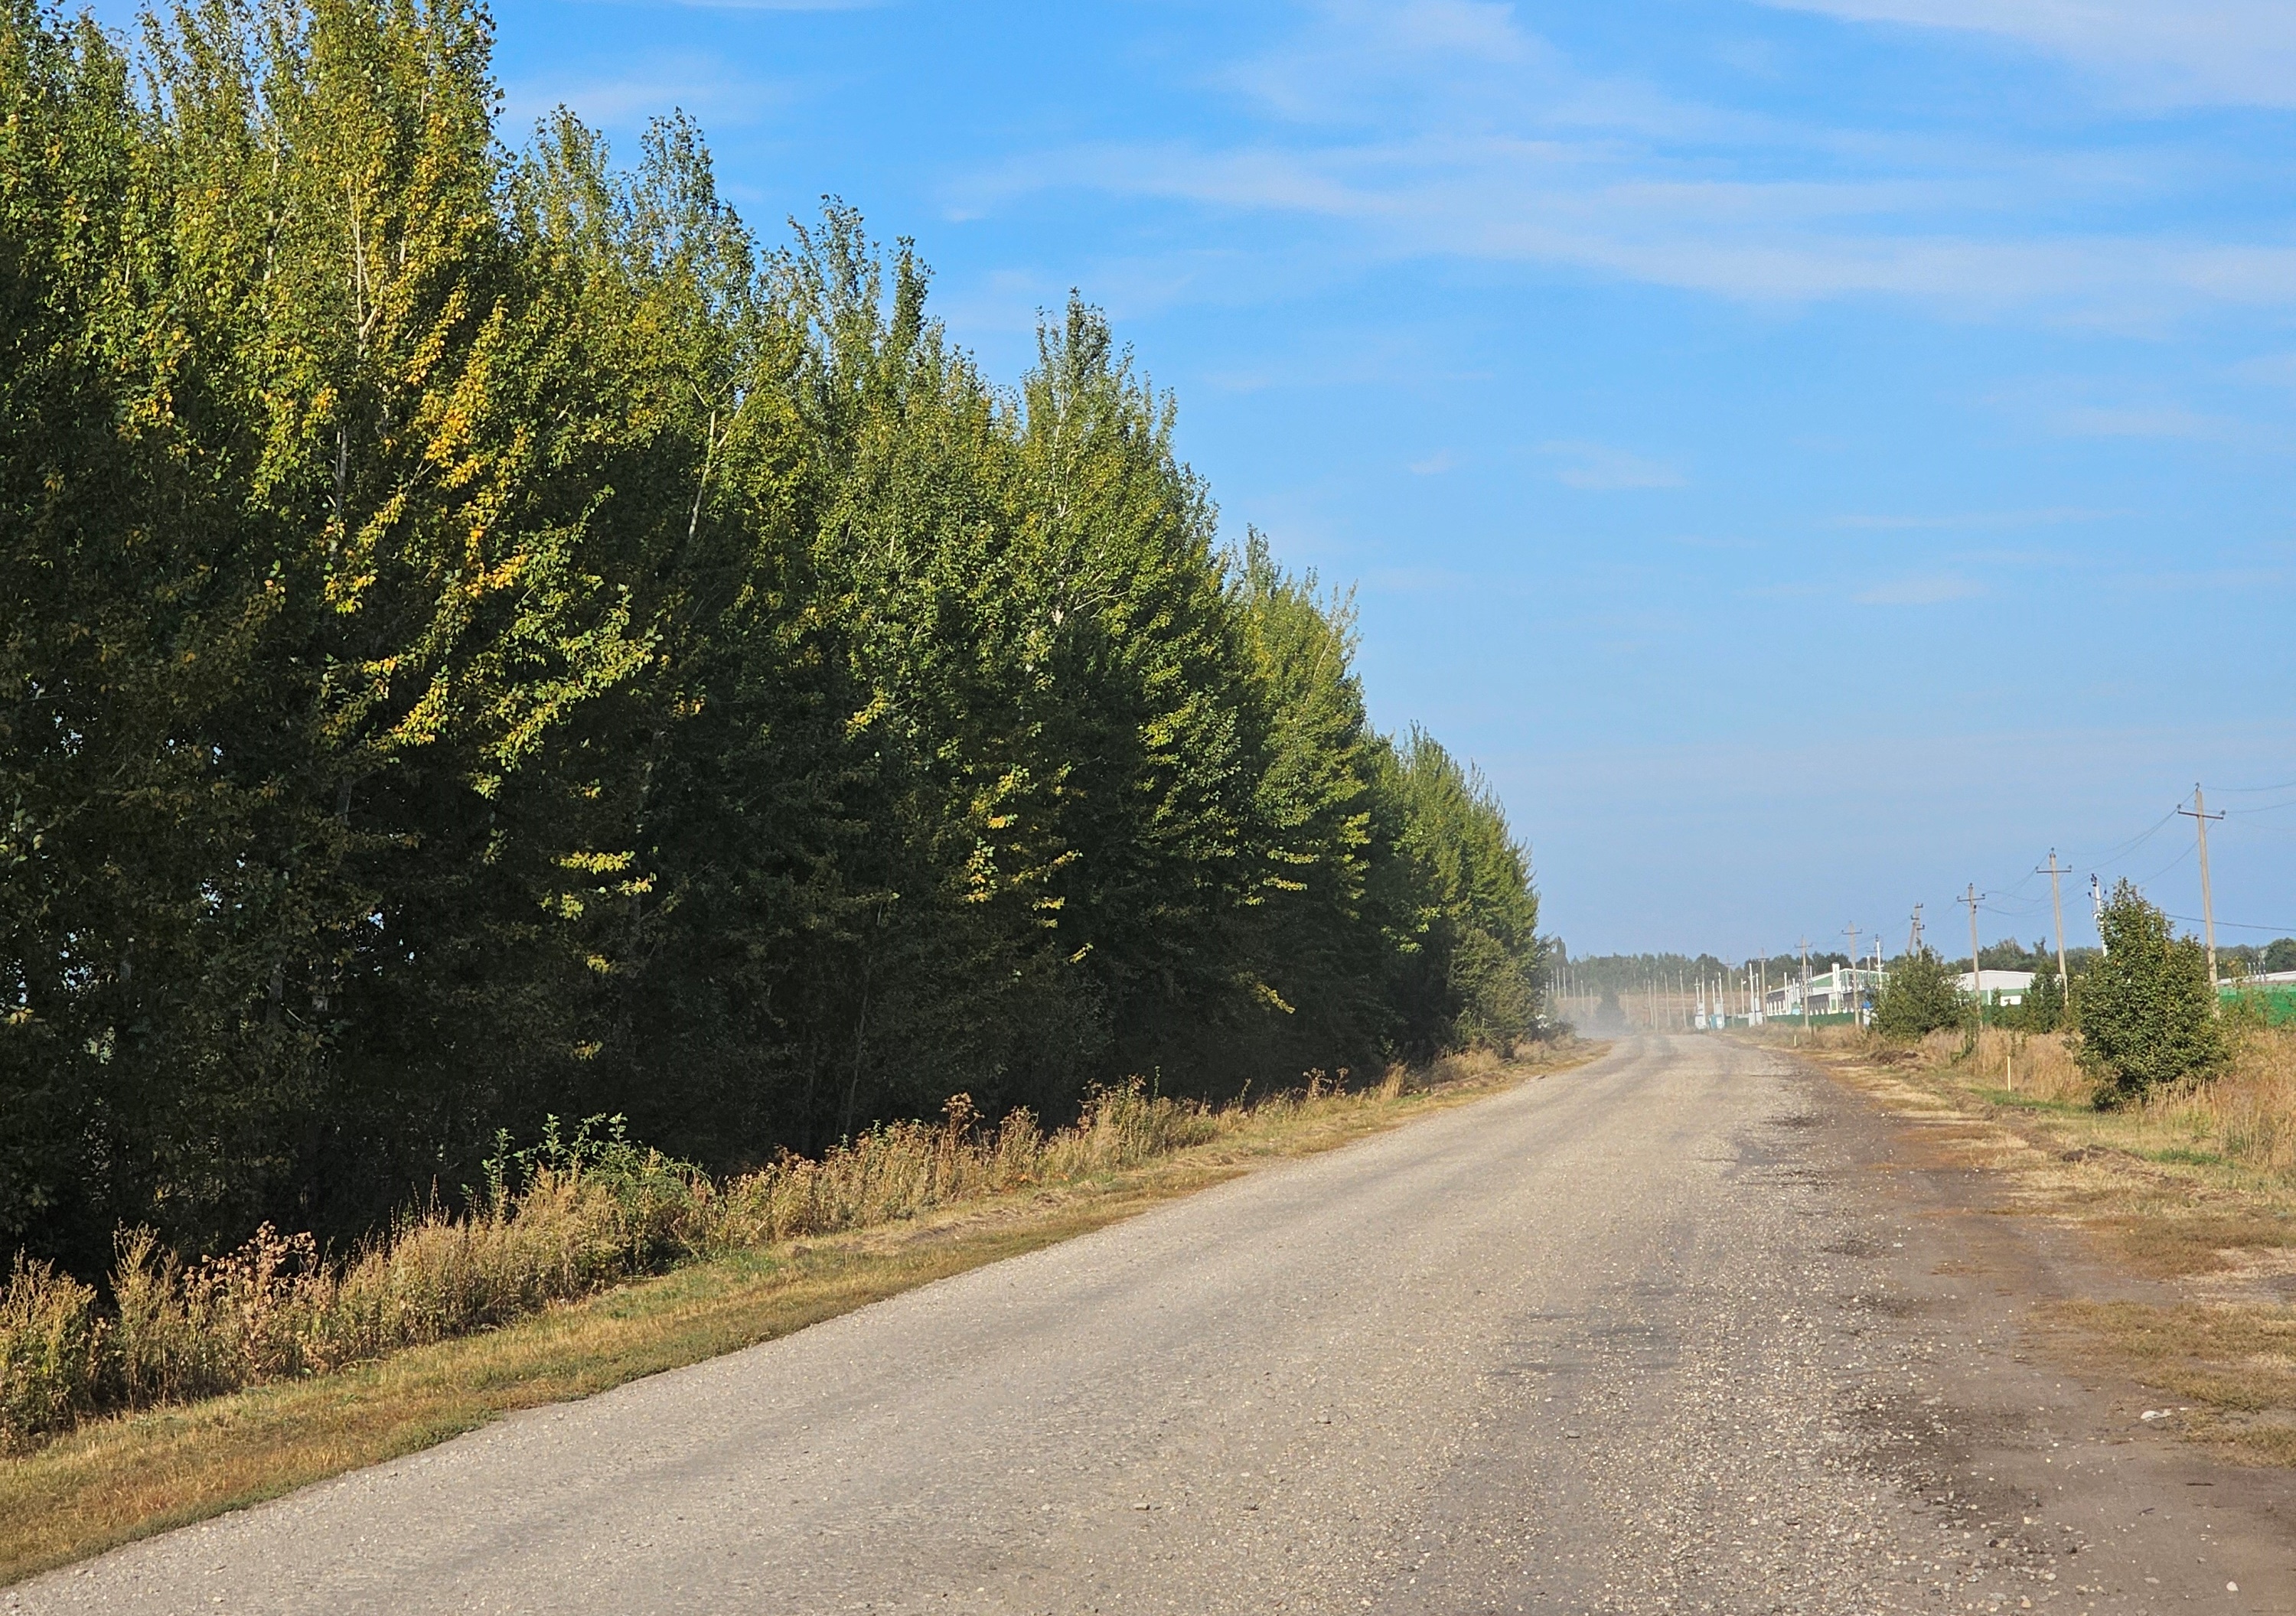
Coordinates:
1667 1333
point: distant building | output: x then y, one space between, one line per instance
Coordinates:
1999 987
1849 988
1835 992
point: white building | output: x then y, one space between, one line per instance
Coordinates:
1999 987
1835 992
1848 988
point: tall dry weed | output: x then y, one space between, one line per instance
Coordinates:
2039 1066
51 1352
2246 1112
573 1214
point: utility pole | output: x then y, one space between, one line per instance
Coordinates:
1805 989
2096 907
2057 902
1976 971
1850 932
1914 935
2201 816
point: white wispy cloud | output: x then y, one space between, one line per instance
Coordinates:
704 85
1354 58
1585 464
1952 239
1441 129
2271 370
2177 52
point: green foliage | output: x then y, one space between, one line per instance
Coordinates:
2010 955
481 639
2043 1009
1458 892
1922 994
2148 1016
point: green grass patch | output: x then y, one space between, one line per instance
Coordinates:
2010 1099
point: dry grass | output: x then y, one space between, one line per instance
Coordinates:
115 1478
2195 1187
2235 1362
563 1221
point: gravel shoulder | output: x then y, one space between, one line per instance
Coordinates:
1689 1328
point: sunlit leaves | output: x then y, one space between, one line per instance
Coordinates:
482 639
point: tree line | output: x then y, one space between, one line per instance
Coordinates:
482 637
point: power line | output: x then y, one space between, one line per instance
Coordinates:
2165 868
2134 842
2256 790
2017 911
2285 931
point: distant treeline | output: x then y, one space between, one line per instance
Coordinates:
482 639
2255 958
2040 955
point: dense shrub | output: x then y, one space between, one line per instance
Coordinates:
2148 1015
2045 1006
1921 995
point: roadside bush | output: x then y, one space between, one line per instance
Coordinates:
2148 1014
1921 996
51 1338
2043 1009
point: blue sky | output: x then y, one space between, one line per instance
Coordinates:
1811 455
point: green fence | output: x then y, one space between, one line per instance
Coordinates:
1840 1019
2277 1000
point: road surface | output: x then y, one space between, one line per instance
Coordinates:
1663 1334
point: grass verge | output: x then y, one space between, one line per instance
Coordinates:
2193 1189
112 1480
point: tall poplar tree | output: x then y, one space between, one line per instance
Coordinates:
482 639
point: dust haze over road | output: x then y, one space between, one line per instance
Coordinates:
1662 1334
